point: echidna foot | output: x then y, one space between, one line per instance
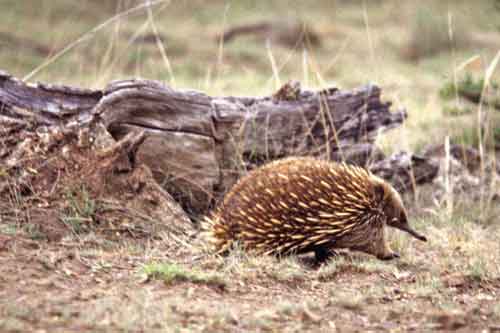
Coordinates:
322 254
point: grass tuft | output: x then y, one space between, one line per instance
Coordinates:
477 268
79 213
468 86
172 273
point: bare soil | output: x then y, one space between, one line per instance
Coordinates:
80 286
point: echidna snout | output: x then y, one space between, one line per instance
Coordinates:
394 209
403 225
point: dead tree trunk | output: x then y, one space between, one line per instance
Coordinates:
198 145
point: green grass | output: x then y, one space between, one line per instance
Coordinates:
80 211
456 110
478 269
9 228
34 231
466 133
30 230
171 274
467 85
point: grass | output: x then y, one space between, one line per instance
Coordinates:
30 230
432 32
172 273
466 133
467 85
9 229
34 231
456 110
478 270
88 282
80 211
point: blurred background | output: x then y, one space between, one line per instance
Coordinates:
420 52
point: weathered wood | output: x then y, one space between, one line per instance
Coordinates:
43 103
198 145
185 164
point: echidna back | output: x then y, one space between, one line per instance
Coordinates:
295 205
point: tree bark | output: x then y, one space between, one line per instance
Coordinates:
198 145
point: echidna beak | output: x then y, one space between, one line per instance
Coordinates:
414 233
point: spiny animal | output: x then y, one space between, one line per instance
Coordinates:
299 205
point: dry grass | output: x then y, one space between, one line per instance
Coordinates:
87 282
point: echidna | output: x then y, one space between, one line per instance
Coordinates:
299 205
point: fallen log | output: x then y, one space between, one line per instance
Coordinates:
198 145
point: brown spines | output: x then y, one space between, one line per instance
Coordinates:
299 205
216 233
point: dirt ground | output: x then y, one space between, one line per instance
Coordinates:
80 286
86 248
90 242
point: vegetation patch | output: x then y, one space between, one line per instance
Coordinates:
80 211
172 274
461 97
468 86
